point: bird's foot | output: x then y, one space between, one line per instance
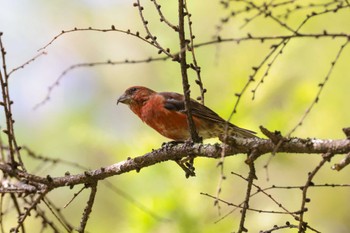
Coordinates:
171 143
187 166
185 163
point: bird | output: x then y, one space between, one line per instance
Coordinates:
165 112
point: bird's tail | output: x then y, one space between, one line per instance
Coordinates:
239 132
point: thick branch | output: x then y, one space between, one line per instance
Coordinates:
175 152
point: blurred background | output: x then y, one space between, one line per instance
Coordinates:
82 123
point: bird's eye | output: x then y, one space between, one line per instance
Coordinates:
132 90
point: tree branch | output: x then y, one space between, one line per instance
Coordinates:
176 152
88 207
184 66
250 179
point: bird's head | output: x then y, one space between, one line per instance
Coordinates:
135 95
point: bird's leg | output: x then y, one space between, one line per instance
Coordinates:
186 163
189 160
189 171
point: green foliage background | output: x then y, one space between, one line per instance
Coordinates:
81 122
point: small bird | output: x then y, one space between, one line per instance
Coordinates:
165 112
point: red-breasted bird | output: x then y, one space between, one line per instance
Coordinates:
165 112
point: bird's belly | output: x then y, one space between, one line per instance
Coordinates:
173 125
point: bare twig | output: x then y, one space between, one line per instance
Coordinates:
6 103
58 214
184 66
27 63
2 213
19 212
45 219
74 196
314 102
88 207
149 35
343 163
302 224
66 226
32 206
267 13
250 179
91 64
250 37
112 29
277 228
260 190
241 206
222 177
195 65
162 17
321 88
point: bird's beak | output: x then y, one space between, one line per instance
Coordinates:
125 99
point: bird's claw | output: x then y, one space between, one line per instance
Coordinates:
187 167
171 143
187 142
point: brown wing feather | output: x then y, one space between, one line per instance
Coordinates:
202 111
176 102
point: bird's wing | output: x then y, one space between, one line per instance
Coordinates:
176 102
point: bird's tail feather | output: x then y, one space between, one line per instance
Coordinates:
240 132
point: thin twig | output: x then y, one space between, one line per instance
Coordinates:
195 65
74 196
57 213
241 206
162 17
149 35
2 213
343 163
269 14
260 190
27 63
112 29
66 227
250 37
6 102
184 66
302 224
277 228
314 102
88 208
57 82
19 212
222 177
46 221
250 179
321 88
33 205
